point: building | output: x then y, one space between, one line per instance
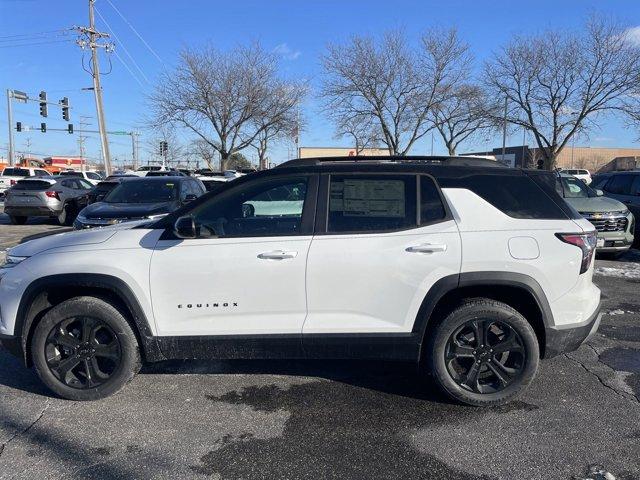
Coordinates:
590 158
315 152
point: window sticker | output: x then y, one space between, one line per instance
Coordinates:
369 198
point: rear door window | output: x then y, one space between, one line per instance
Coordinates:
371 203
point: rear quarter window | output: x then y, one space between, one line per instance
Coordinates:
15 172
515 195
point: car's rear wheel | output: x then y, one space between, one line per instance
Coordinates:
17 219
484 353
64 217
85 349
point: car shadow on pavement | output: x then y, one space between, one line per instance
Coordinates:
14 374
394 378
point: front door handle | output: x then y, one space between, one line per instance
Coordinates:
427 248
277 255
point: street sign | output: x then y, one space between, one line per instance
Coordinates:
119 132
20 96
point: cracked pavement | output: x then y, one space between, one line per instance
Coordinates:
291 419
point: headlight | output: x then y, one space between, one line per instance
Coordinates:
154 217
81 217
11 261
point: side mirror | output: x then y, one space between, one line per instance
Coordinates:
99 198
185 227
599 192
189 198
248 210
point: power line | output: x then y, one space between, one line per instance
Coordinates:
36 34
128 69
135 31
123 46
36 43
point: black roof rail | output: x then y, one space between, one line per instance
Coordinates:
429 160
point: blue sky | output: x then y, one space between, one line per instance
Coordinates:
297 30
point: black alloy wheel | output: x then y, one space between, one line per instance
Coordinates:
485 356
82 352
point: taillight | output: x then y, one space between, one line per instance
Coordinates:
52 194
13 182
585 242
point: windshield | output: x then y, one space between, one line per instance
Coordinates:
143 192
570 187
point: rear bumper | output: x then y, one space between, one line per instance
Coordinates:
568 338
35 211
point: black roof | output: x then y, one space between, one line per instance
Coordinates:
413 159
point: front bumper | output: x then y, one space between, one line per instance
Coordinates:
568 338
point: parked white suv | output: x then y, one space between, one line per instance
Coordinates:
10 176
476 271
581 173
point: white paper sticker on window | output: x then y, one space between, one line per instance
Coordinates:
369 198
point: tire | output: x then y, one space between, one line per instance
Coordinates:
17 220
471 372
64 217
92 342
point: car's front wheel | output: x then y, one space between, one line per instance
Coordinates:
484 353
85 349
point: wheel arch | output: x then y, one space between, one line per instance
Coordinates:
46 292
520 291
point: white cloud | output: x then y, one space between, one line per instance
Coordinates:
633 35
286 52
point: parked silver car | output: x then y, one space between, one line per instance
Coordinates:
61 198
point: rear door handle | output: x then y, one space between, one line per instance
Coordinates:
277 255
427 248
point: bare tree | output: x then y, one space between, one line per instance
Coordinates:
202 150
362 130
557 84
394 86
288 126
226 99
175 148
466 112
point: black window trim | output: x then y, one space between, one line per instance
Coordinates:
322 214
308 208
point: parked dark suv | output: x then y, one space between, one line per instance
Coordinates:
625 187
140 198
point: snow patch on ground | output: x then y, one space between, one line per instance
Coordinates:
627 271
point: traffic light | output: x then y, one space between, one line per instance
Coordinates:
70 128
43 127
65 109
18 126
43 104
164 147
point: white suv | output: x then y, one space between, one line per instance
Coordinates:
475 271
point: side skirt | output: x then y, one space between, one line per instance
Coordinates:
385 346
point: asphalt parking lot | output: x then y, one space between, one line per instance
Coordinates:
580 418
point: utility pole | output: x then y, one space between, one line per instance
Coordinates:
134 149
81 139
27 144
90 40
10 120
